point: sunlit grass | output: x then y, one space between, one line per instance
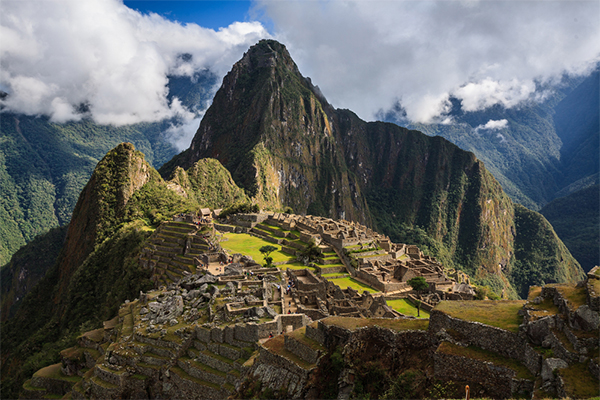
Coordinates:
354 284
405 307
579 382
499 313
296 266
249 245
576 296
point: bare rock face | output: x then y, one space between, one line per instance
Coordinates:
292 148
587 318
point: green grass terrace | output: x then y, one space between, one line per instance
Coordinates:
249 245
394 324
576 296
499 313
405 307
345 283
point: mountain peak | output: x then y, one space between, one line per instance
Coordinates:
267 53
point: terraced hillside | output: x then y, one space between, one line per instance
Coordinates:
171 250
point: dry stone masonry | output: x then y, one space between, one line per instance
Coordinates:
201 335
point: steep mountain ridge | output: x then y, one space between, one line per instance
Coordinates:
45 165
312 158
269 128
282 142
576 219
101 206
97 268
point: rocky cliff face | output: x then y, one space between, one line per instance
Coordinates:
286 146
272 130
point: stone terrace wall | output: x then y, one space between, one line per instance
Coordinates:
500 382
250 332
328 335
277 372
301 350
373 281
489 338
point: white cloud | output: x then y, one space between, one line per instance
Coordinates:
488 92
181 135
493 125
366 54
56 55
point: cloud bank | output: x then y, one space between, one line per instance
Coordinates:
58 57
364 55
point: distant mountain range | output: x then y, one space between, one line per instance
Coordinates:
271 139
547 150
44 165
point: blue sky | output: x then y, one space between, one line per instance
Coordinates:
206 13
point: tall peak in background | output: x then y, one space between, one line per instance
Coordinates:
287 147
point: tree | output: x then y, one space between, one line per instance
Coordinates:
418 283
266 251
311 251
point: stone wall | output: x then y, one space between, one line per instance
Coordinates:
312 313
594 369
490 338
184 388
301 350
425 306
315 333
242 335
279 373
500 382
224 228
372 281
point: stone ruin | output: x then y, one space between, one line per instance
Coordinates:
319 298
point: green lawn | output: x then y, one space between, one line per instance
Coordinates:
342 274
405 307
249 245
499 313
296 265
354 284
395 324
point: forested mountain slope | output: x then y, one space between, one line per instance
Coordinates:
282 142
44 165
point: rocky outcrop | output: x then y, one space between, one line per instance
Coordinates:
291 148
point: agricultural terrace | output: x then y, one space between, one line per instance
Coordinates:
395 324
249 245
499 313
345 283
405 307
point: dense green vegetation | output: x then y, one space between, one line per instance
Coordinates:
547 150
545 147
117 211
538 253
576 221
44 165
27 266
